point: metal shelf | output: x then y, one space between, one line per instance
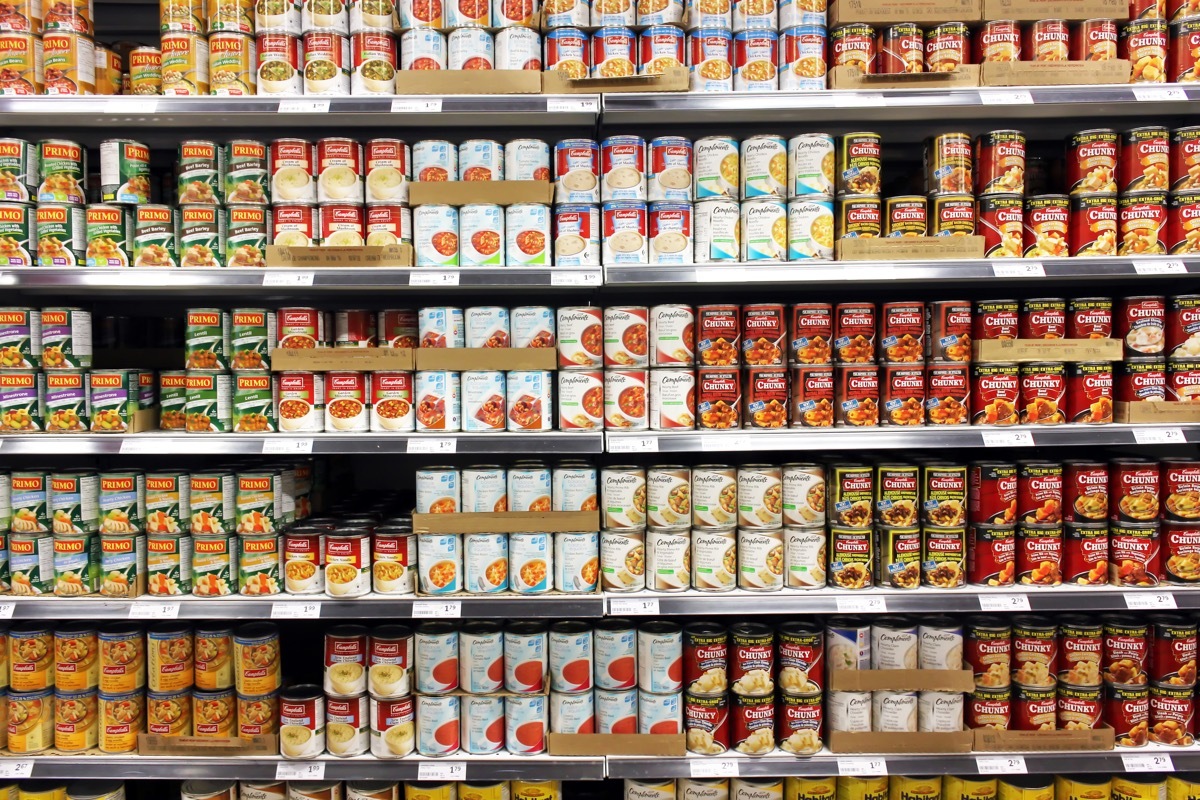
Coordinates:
554 443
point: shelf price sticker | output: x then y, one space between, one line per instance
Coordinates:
1159 436
420 277
1148 763
1016 97
417 105
131 105
862 605
713 767
1004 602
726 443
282 278
154 609
286 446
573 278
295 611
153 445
858 100
1141 601
16 769
1033 269
633 444
433 445
435 609
1158 267
573 105
1001 765
303 106
6 610
1007 438
1159 94
862 766
633 606
442 771
300 771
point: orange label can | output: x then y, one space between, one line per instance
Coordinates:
169 713
21 58
122 659
30 721
184 64
68 63
76 721
31 658
169 665
122 718
77 658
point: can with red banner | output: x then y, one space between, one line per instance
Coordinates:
995 319
1081 647
1089 396
764 334
1090 318
719 335
1141 379
992 498
952 215
1043 393
856 393
811 331
1039 492
1035 656
991 555
1002 224
1127 712
1144 43
659 48
753 728
1180 481
755 56
854 333
999 40
948 394
902 332
1094 40
718 398
1183 326
948 326
1183 223
1133 496
1142 217
1185 159
1145 153
801 654
854 45
987 651
1094 224
901 49
995 393
1080 707
1085 554
1043 318
1000 162
1183 380
948 45
706 722
1173 654
812 396
1046 40
614 53
342 223
1092 161
766 397
710 59
902 393
803 56
1085 491
799 723
1047 225
705 658
1135 556
989 708
1141 321
1172 715
1126 650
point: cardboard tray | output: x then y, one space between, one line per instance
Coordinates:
853 78
1156 413
887 12
990 740
910 248
876 742
1055 73
1025 350
143 421
901 680
396 255
468 81
675 79
152 744
667 745
508 522
1070 10
359 359
460 193
491 358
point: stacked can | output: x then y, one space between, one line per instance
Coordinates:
52 52
222 219
214 400
623 540
45 385
1183 235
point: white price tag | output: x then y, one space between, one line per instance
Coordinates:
433 609
1007 438
857 100
862 766
1004 602
6 610
1019 269
726 443
720 275
574 278
1159 94
1148 763
1159 436
417 105
130 105
295 610
154 609
288 279
1156 267
1016 97
1000 765
287 447
572 105
1142 601
152 445
300 771
862 605
714 767
303 106
442 771
16 769
420 277
633 606
420 445
633 444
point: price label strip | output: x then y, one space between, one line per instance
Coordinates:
862 605
1001 765
288 278
862 766
1142 601
303 106
713 767
6 610
634 606
1018 97
573 105
1004 602
417 105
287 446
633 444
435 609
423 278
442 771
1156 267
154 609
1159 436
1148 763
16 769
421 445
300 771
295 611
1030 270
1007 438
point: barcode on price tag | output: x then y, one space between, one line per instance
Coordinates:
1000 765
417 105
295 610
862 766
713 767
1017 97
300 771
726 443
288 279
1021 270
633 444
1159 436
861 605
303 106
442 771
633 605
154 609
16 769
1007 438
287 447
1159 94
1148 763
6 610
433 609
1146 600
422 445
424 278
1004 602
1156 267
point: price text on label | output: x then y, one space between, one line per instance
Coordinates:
1000 765
433 609
862 766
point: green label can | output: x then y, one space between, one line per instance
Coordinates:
214 565
18 160
201 236
61 235
62 166
209 402
30 493
76 564
259 564
213 506
31 563
18 234
172 400
258 502
113 398
147 389
246 174
288 495
5 577
247 232
20 338
254 402
5 501
67 402
122 563
168 501
201 167
124 172
252 338
21 401
74 502
206 339
154 242
109 236
168 564
66 338
122 502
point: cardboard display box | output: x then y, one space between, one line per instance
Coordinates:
1055 73
468 81
1025 350
877 742
991 740
152 744
460 193
853 78
395 255
502 358
359 359
1070 10
913 248
922 12
901 680
508 522
1156 412
675 79
666 745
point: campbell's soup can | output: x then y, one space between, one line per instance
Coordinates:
470 48
569 50
576 232
755 55
517 48
614 51
577 171
710 59
625 232
326 63
293 175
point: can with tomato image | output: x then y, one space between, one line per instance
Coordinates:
580 400
998 40
572 713
526 720
718 398
569 50
901 49
470 48
581 337
1046 40
614 644
435 235
755 55
1094 40
1085 491
992 494
616 711
482 724
854 45
902 394
1089 396
437 718
625 399
1043 318
660 712
518 48
947 46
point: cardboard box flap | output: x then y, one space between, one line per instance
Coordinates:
901 680
674 79
393 255
468 81
887 12
1054 73
1047 350
993 740
461 193
328 359
847 78
153 744
1070 10
1156 412
664 745
509 522
502 358
920 248
877 742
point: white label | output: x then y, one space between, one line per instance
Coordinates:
1159 94
574 278
419 445
1000 765
1003 602
1156 267
633 444
634 606
300 771
442 771
862 605
1019 269
295 610
423 278
16 769
1148 763
286 447
154 609
726 443
1145 600
6 610
857 100
152 445
303 106
432 609
714 767
1018 97
288 279
130 105
721 275
862 766
1159 436
573 105
417 105
1007 438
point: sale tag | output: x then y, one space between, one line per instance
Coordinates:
421 445
417 105
295 610
1017 97
288 279
300 771
1007 438
433 609
425 278
632 606
713 767
287 447
442 771
573 105
1004 602
1159 436
633 444
1157 267
6 610
16 769
574 278
1146 600
1001 765
862 766
303 106
1159 94
861 605
1021 269
1148 763
154 609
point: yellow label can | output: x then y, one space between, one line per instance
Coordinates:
122 658
1184 786
904 787
169 713
77 658
1138 787
872 787
1082 787
214 659
76 721
31 658
122 718
1026 787
214 714
968 787
169 664
30 721
810 788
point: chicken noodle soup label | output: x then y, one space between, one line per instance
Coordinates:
31 564
764 230
212 501
122 502
76 564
